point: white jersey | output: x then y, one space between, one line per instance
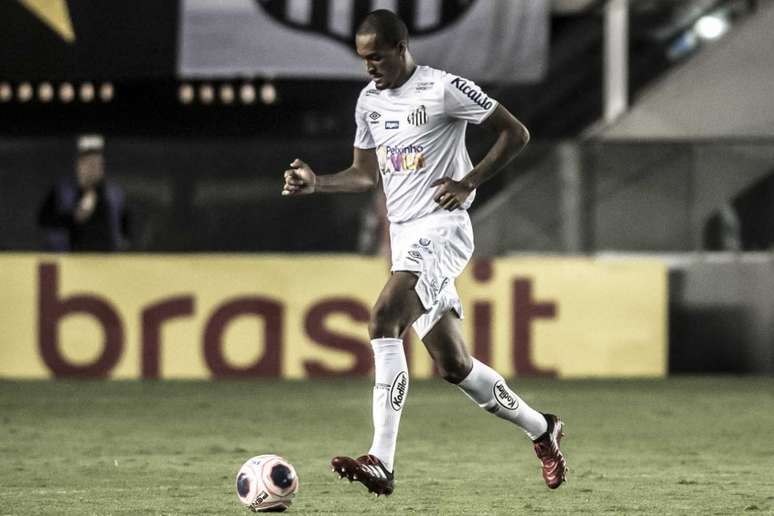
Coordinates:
418 131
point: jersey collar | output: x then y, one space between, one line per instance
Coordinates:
403 87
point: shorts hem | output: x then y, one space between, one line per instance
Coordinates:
426 328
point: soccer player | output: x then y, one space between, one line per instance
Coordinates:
410 136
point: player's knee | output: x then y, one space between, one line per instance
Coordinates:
455 369
383 323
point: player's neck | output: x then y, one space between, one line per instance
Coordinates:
408 70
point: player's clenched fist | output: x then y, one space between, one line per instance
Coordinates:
299 179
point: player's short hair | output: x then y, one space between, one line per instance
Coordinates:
387 26
90 143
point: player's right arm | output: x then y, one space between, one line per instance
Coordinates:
362 176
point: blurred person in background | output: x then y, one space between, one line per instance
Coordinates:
86 212
410 136
722 231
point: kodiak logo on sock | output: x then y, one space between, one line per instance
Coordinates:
398 390
504 396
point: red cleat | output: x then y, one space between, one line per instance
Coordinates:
547 450
368 470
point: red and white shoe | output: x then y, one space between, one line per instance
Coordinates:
368 470
547 450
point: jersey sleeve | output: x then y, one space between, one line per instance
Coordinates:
464 99
363 137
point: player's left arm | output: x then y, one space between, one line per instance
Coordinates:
512 137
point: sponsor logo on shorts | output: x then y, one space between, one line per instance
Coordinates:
435 288
391 124
504 396
398 391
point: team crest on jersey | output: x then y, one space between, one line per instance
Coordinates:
410 158
418 116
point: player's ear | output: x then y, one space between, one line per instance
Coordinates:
402 47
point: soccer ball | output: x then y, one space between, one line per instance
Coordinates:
267 483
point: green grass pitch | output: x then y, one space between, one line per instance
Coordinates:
677 446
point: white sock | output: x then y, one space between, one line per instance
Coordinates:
487 388
391 382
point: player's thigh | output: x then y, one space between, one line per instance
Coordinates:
398 300
446 344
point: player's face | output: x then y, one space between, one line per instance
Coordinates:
90 169
384 64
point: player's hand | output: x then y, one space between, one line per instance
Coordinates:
299 179
86 206
451 194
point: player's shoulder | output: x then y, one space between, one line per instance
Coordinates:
428 79
464 88
453 81
450 83
441 76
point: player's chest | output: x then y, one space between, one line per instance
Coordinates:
405 119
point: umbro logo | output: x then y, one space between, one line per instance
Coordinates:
374 115
418 116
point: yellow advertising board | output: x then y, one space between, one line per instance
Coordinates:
213 316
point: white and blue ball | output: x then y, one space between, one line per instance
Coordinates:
267 483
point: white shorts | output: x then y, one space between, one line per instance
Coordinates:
436 248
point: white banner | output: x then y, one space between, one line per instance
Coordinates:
484 40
